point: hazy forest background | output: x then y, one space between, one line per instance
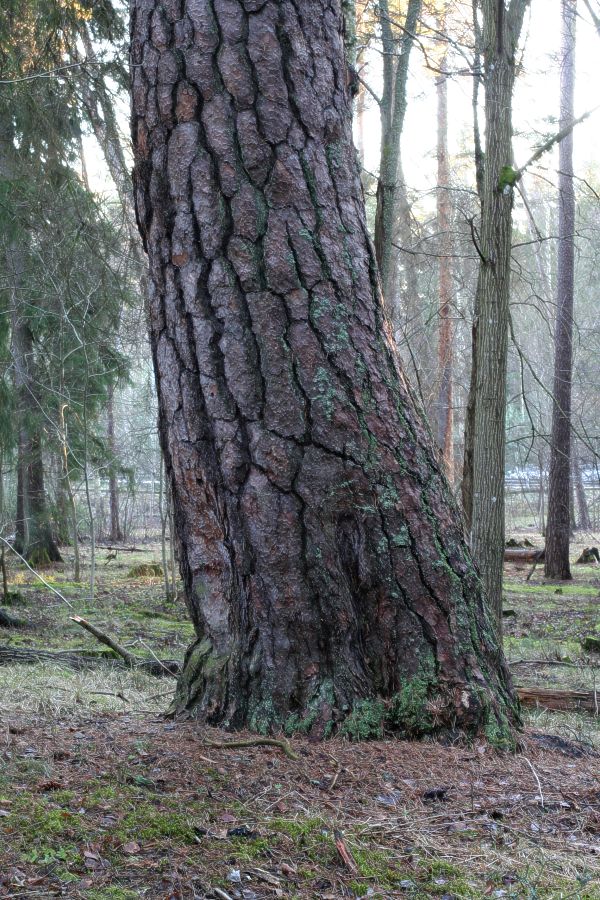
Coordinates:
476 133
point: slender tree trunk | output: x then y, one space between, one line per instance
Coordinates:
116 533
405 308
558 529
163 510
88 493
444 222
585 522
359 114
21 520
466 486
542 498
42 547
321 550
396 55
172 542
501 30
68 489
3 547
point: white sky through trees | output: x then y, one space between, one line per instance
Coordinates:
536 108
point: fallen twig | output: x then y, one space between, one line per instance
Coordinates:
344 853
222 894
535 775
153 654
128 657
119 695
254 742
161 695
338 770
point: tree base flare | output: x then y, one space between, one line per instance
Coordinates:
423 706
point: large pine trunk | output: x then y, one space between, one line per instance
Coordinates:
321 550
558 532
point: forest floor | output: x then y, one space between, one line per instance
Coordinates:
102 798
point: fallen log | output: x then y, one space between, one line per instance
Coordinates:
589 556
120 549
85 659
564 701
7 621
523 555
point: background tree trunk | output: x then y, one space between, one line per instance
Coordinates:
35 540
396 56
584 523
321 551
445 416
500 37
116 534
558 529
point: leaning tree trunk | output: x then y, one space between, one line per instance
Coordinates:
558 531
321 551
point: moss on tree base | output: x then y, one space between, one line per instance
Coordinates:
424 706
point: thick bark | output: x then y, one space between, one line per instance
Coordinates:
321 550
501 30
558 529
396 55
444 398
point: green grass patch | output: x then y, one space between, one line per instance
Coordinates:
566 589
148 822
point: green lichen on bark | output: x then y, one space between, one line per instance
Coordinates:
201 665
311 717
409 713
365 721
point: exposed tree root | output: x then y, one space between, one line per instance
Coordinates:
255 742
